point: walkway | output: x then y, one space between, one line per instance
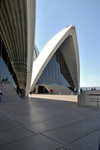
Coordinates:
43 124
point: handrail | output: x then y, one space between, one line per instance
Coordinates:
94 94
96 100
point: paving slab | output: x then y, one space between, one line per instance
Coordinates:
47 124
53 123
11 131
61 149
89 142
38 142
71 132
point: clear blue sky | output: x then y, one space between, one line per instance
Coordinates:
54 15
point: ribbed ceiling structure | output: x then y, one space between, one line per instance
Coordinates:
17 31
68 52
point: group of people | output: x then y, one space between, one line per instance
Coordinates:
0 95
5 79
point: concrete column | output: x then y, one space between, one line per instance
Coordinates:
31 13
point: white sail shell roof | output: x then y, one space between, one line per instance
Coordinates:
50 48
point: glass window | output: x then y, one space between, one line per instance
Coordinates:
55 72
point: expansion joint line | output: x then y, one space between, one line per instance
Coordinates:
82 136
52 139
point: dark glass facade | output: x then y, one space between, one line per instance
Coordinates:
55 72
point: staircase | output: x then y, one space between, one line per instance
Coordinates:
59 89
9 93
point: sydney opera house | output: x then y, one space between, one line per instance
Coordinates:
20 63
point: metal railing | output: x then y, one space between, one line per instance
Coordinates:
95 98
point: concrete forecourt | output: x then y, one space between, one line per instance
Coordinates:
42 124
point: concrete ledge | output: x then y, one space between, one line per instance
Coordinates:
72 98
89 98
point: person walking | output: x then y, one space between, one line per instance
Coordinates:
0 95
